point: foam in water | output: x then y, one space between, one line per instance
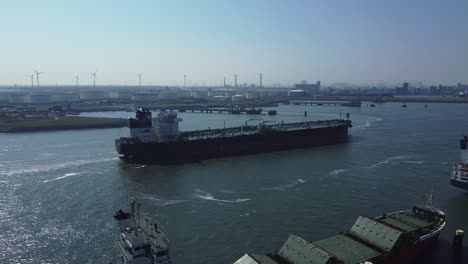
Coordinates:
413 161
65 176
161 202
336 172
284 187
200 194
369 122
393 160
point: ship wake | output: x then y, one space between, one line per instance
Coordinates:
203 195
395 161
35 168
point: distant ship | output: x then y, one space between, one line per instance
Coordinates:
140 243
460 169
159 140
392 238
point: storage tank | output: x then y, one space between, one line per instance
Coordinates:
252 95
145 97
216 92
278 93
199 94
65 97
17 98
38 98
167 95
238 98
121 95
94 95
296 93
4 97
219 98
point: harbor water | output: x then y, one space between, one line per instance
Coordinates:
59 190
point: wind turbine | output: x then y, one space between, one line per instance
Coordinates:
94 75
32 79
139 78
77 77
37 76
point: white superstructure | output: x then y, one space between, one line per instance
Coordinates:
460 169
164 127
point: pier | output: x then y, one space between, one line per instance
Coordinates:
325 103
249 111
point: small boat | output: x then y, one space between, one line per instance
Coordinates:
272 112
372 105
403 105
253 111
460 169
144 243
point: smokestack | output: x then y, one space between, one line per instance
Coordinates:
235 80
261 85
224 81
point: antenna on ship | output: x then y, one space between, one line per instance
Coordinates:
94 76
132 204
430 198
37 76
139 79
138 215
77 77
32 79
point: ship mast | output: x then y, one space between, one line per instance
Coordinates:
429 199
132 204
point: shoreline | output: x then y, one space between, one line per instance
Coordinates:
60 123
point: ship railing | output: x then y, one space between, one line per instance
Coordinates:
207 133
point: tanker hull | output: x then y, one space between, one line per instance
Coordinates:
200 149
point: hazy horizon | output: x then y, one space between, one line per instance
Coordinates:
359 42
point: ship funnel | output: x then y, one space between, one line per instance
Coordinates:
464 150
463 142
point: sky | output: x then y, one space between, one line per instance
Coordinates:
347 41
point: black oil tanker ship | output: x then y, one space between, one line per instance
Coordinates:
158 140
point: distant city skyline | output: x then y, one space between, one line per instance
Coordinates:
359 42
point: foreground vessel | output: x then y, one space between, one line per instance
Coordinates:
140 243
159 140
460 169
397 237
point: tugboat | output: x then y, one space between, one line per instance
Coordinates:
140 243
460 169
397 237
253 111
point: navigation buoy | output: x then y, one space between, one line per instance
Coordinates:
458 241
